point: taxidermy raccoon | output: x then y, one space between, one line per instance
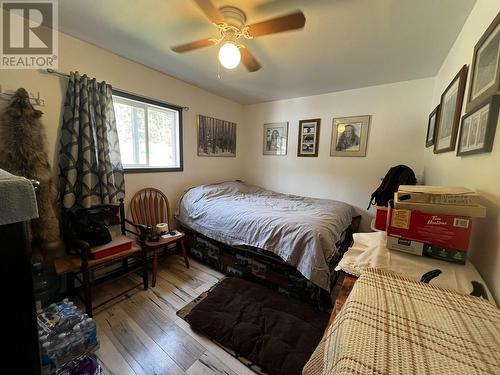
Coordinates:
23 153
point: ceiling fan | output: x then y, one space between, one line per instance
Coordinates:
232 26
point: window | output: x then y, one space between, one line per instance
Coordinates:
150 133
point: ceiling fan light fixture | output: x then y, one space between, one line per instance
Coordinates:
229 55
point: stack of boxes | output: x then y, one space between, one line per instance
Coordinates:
434 221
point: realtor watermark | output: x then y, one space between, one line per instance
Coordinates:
29 37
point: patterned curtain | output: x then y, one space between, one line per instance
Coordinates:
90 168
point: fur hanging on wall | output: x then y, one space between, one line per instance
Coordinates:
23 153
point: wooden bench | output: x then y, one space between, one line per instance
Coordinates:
73 263
79 262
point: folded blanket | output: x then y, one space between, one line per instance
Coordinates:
17 199
394 325
369 251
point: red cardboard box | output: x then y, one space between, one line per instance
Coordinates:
446 231
117 245
381 218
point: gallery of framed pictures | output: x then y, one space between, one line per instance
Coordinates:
350 136
275 138
308 142
216 137
478 125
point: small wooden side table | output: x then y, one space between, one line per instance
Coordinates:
164 242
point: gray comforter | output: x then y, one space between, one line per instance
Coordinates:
302 231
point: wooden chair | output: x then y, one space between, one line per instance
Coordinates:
79 262
149 207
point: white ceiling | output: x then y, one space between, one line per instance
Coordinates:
345 44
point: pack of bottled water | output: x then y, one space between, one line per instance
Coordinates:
65 332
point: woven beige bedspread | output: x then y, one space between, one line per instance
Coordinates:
393 325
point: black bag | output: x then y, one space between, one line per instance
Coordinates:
89 225
398 175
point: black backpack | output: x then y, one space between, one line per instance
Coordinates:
398 175
89 224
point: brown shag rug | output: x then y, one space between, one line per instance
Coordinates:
266 331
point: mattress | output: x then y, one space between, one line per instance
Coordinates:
300 230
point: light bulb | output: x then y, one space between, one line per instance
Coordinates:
229 55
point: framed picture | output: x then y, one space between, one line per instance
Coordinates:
450 110
216 137
308 137
485 73
350 136
478 128
275 138
431 127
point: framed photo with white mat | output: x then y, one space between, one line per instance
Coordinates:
450 109
308 142
485 71
275 138
477 131
350 136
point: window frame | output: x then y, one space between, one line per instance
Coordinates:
179 109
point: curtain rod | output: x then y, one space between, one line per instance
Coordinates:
60 74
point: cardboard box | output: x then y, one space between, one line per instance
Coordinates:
445 195
117 245
381 218
433 208
422 249
446 231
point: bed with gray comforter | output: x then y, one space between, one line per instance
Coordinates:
300 230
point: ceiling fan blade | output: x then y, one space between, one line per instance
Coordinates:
248 60
193 45
210 11
291 21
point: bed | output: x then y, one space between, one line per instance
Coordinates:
234 224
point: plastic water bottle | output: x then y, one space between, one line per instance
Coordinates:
61 348
77 340
83 317
89 331
44 339
52 308
68 317
47 354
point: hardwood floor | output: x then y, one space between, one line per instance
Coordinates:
141 333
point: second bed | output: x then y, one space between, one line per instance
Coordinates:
304 232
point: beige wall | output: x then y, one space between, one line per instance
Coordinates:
481 172
397 133
127 75
399 116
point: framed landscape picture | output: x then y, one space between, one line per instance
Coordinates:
450 110
478 128
216 137
308 137
431 127
485 72
275 138
350 136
